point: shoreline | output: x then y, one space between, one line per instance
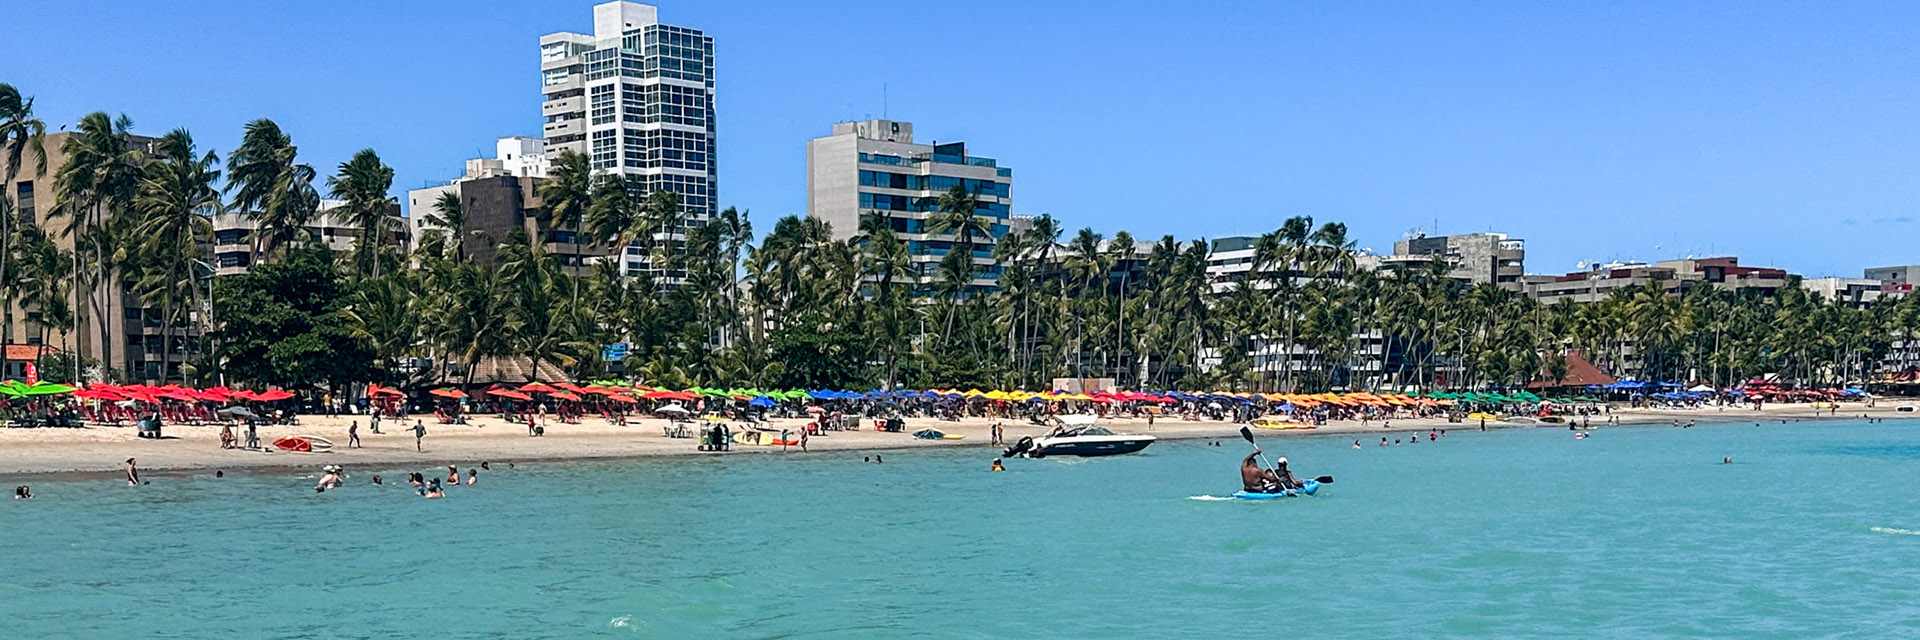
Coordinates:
55 454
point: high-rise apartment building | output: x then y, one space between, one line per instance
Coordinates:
636 97
875 168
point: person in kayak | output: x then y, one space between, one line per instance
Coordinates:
1257 479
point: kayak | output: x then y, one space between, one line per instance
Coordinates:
1308 488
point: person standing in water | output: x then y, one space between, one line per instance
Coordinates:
997 466
453 475
473 475
133 474
1356 444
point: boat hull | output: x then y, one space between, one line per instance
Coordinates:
1090 447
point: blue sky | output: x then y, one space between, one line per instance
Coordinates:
1785 133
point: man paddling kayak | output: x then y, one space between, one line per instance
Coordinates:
1257 479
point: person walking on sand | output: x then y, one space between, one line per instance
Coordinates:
133 474
419 433
353 433
374 424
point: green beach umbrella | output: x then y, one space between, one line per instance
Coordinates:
46 389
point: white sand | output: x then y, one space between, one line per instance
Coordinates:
103 449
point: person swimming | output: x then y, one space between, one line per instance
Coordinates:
23 492
1356 444
473 475
1383 442
376 480
433 490
453 475
997 466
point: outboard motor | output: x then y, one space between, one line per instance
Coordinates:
1025 444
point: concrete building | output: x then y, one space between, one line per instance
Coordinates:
1895 280
1475 258
1853 292
234 248
636 97
1674 277
875 168
500 194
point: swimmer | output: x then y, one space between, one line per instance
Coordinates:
219 473
1383 442
483 465
1356 444
23 492
453 475
433 490
1396 442
473 475
1727 460
376 480
877 460
997 466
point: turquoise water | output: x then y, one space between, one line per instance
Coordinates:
1634 533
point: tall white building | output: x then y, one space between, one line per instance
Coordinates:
636 97
875 168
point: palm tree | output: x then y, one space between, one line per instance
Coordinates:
385 314
176 203
20 132
93 190
565 199
363 182
450 216
270 187
734 231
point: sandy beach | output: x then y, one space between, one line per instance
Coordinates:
488 438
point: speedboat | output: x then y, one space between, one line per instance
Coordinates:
1080 441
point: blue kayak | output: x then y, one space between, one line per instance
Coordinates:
1307 488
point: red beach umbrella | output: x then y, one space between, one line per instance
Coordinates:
536 387
509 394
272 395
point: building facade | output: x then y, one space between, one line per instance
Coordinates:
1673 277
636 97
1852 292
875 168
234 250
1474 258
500 194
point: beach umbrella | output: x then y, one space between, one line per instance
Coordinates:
448 393
565 395
272 395
673 408
622 399
535 387
45 389
509 394
762 401
238 412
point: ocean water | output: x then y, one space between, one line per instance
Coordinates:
1637 532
